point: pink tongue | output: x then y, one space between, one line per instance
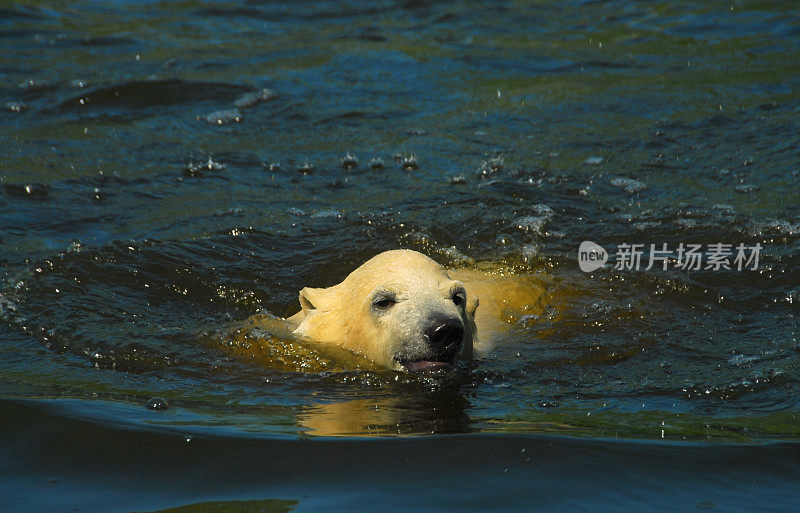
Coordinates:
427 366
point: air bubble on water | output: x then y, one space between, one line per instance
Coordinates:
157 404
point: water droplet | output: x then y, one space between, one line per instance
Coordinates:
349 162
16 107
410 163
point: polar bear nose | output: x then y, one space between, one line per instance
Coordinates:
445 334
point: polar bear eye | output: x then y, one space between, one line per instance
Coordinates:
384 302
460 299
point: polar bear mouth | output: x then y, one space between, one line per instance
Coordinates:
442 362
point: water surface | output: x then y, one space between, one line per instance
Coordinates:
153 196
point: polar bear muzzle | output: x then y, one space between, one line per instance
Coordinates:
444 336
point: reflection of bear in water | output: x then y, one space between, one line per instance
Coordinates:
444 411
404 311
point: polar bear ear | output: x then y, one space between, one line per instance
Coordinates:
315 299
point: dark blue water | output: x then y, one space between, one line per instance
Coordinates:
172 168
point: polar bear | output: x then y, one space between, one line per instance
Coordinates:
400 309
404 311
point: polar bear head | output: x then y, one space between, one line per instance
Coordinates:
400 309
